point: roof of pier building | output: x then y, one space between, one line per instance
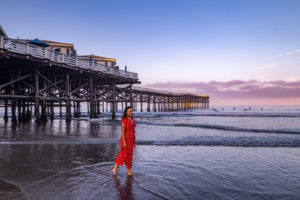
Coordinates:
51 43
98 58
60 44
62 47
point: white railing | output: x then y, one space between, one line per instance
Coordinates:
128 74
161 91
123 74
35 51
42 52
152 90
86 64
14 46
116 71
165 92
135 76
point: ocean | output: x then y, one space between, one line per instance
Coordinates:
219 153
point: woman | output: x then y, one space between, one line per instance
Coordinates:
127 141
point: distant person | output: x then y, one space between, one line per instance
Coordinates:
90 62
51 50
127 142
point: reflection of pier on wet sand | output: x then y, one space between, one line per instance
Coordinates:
10 191
34 80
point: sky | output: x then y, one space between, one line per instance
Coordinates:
237 52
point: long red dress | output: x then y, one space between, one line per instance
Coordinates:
126 153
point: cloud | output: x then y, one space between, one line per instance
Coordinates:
235 88
268 66
293 52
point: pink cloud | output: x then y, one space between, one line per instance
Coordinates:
237 89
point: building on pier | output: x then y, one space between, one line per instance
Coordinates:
59 47
108 62
65 48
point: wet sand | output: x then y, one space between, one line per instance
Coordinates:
10 191
73 161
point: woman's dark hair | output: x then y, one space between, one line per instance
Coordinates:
125 112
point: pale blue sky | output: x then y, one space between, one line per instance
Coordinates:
172 40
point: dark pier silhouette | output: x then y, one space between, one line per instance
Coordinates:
37 81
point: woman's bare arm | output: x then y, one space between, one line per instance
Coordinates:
123 134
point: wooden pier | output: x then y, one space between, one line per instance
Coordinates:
36 81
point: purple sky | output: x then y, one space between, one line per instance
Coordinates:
237 52
238 92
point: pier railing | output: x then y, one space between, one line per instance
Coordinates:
44 53
164 92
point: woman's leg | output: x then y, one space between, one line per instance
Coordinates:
114 170
119 159
129 172
128 162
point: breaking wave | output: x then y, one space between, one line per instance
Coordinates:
198 141
225 128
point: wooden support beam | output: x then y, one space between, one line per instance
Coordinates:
78 88
98 108
113 116
13 103
14 81
148 103
68 102
44 104
130 99
50 86
19 111
13 111
91 98
5 110
141 100
60 105
52 110
50 82
154 103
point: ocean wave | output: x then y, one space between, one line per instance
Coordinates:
221 114
225 128
234 142
199 141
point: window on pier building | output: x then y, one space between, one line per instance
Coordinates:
68 52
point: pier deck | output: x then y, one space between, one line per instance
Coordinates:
35 80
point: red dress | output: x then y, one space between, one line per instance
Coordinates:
126 153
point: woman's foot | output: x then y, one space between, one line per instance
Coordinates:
129 173
114 171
